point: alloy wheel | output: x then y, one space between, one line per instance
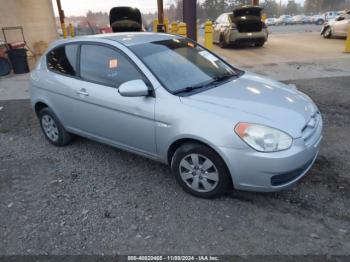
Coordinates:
50 127
199 172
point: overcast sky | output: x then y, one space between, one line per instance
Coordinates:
80 7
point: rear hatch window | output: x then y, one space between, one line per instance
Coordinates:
247 11
247 19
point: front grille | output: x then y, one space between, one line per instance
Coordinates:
281 179
249 27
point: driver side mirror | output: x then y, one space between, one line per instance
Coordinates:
134 88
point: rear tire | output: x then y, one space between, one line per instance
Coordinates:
200 171
52 128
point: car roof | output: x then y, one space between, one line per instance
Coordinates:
132 38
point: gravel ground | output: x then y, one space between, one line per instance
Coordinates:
88 198
285 29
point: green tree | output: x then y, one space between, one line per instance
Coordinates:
330 5
174 11
210 8
291 8
221 6
319 6
312 6
271 8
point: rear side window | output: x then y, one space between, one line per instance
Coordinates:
63 59
225 19
106 66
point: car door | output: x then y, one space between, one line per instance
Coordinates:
61 76
100 112
341 25
344 25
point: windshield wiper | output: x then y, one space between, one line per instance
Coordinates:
222 78
188 89
216 80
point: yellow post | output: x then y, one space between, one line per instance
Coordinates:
64 30
208 35
174 28
155 24
71 30
166 24
347 43
182 29
263 17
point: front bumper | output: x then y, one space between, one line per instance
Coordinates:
267 172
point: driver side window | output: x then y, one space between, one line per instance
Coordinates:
106 66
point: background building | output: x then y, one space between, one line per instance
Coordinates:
35 16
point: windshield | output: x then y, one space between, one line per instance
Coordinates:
182 66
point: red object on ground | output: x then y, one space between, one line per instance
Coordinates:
106 30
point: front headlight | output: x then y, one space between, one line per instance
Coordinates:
263 138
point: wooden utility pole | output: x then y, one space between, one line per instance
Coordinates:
190 18
255 2
160 26
61 14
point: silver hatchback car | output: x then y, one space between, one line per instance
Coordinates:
169 99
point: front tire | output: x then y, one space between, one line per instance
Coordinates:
328 32
200 171
52 128
222 42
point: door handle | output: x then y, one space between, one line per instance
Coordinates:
82 92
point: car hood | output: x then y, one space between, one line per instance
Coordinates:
256 99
